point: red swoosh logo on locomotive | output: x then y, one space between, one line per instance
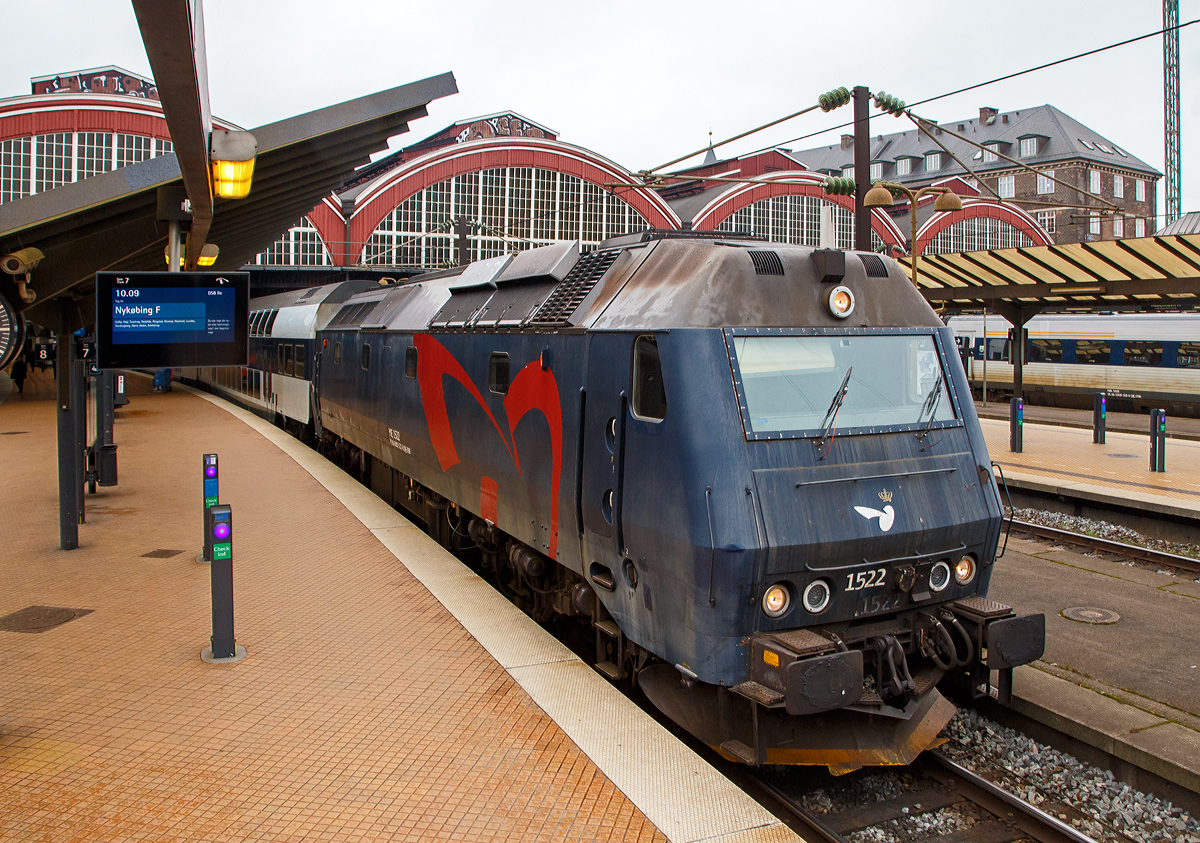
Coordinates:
534 388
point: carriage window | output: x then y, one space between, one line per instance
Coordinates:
649 396
1045 351
497 372
270 322
337 354
997 349
365 362
279 358
1140 353
299 361
287 358
1189 355
410 362
1092 351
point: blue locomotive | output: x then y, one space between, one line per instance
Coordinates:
753 470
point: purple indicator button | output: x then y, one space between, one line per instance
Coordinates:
210 471
221 531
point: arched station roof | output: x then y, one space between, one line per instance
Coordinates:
736 196
382 196
985 208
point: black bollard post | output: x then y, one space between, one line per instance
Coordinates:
1098 418
208 472
1016 425
1158 440
220 521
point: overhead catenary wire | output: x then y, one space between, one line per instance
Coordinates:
1003 78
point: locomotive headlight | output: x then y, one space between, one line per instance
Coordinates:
964 571
816 596
939 576
777 600
840 301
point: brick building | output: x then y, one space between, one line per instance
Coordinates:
1076 167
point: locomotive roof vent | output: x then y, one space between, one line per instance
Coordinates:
874 266
829 265
765 263
547 263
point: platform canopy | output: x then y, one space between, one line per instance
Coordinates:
110 222
1160 273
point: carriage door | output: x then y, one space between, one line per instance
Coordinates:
603 445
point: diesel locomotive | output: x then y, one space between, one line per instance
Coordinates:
753 470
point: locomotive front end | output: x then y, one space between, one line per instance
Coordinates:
880 521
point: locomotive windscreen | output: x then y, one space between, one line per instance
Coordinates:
790 382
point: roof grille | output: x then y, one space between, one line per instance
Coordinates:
874 266
765 263
567 296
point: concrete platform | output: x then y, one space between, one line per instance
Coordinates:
1129 689
1063 460
388 692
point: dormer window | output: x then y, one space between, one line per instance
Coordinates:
1029 147
933 161
989 153
876 171
903 166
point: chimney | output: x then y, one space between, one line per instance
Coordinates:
987 114
847 141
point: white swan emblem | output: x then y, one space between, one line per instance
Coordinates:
886 518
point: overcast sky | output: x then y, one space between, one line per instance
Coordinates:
644 82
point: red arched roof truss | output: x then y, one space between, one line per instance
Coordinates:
382 197
986 208
788 184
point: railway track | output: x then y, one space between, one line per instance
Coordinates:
918 813
1154 557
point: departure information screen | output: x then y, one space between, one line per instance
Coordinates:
168 319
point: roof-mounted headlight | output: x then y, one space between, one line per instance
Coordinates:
840 301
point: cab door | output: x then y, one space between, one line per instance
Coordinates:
605 410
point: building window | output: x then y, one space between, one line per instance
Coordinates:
517 208
132 149
876 172
903 166
795 220
1139 190
976 234
933 161
1028 147
1048 220
1094 224
163 147
1139 227
1094 181
1118 187
302 246
1118 226
93 154
1007 187
989 154
1045 183
973 182
54 154
847 172
15 168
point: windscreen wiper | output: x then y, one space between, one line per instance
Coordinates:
834 406
931 405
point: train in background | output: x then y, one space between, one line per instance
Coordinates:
1140 361
753 472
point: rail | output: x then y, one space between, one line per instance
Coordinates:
1143 554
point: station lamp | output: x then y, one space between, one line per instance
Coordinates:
232 156
208 255
880 196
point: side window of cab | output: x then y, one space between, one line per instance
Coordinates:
649 394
